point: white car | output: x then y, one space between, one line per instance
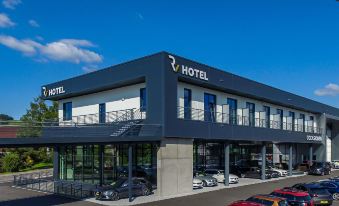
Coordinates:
197 184
282 173
220 176
335 164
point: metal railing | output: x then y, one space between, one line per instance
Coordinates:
43 181
226 118
104 118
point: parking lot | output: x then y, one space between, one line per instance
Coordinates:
10 196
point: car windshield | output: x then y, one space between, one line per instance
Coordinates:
118 183
319 191
303 198
317 164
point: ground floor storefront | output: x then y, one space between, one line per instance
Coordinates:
171 163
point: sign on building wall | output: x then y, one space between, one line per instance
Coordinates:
187 71
52 92
314 138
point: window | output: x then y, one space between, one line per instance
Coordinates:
302 116
281 113
210 102
233 110
251 108
67 111
102 113
267 111
292 114
143 100
187 103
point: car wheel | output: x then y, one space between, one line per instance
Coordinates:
242 175
204 184
115 196
322 173
335 196
145 192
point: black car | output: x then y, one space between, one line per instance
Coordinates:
320 168
255 172
320 195
119 189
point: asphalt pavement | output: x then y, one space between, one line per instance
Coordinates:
10 196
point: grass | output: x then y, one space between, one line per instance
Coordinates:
38 166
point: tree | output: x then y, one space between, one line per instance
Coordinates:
38 115
10 162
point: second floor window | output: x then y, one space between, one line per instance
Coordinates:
210 102
67 111
187 103
233 110
292 114
251 114
302 116
281 117
102 113
267 111
143 100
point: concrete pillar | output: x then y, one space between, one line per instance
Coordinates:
130 159
56 163
227 163
175 166
290 159
263 162
311 154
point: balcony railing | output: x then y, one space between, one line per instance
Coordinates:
226 118
105 118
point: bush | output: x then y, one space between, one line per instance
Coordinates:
11 162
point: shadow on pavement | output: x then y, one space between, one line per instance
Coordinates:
45 200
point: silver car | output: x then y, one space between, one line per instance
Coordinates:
207 181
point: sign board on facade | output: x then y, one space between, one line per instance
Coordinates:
53 91
188 71
314 138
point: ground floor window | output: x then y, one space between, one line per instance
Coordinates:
104 164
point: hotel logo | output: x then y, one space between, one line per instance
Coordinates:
187 71
52 92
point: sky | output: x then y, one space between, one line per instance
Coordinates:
291 45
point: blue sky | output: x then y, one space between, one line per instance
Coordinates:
292 45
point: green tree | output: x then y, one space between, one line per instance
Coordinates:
39 114
10 162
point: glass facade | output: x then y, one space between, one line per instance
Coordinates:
102 113
251 108
104 164
267 111
281 114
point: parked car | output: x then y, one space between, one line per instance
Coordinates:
294 197
281 172
245 203
332 187
304 167
320 195
273 173
207 181
220 176
268 200
119 189
335 164
320 168
197 184
255 172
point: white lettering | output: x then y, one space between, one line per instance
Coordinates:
185 70
314 138
54 91
190 72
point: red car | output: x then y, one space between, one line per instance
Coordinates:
245 203
294 197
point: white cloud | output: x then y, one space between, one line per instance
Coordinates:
90 68
27 47
33 23
140 16
69 50
329 90
11 4
5 21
